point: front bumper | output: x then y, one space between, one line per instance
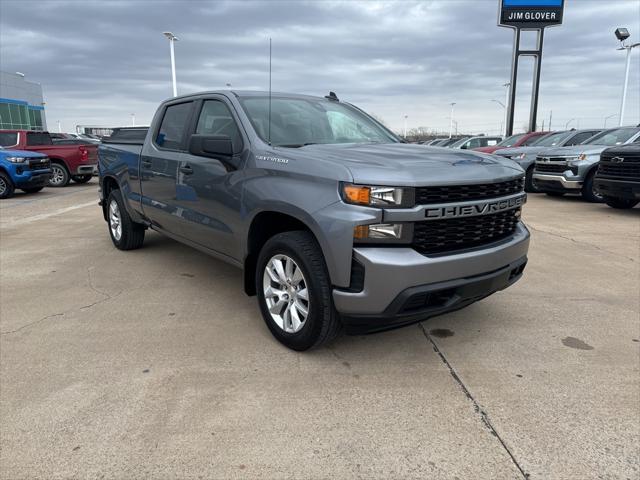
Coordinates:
545 181
32 179
391 271
626 189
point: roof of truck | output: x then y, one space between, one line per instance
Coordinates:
247 93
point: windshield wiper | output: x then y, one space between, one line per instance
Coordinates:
297 145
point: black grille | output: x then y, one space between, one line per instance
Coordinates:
630 167
38 165
552 159
551 168
457 193
437 236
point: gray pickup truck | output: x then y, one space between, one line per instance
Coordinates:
335 221
572 169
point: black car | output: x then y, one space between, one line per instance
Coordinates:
618 176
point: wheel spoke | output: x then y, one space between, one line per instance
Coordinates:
297 277
272 275
301 309
277 263
277 306
295 318
303 294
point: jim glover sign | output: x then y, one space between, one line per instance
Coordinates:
530 13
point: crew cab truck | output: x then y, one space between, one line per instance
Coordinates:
68 162
617 179
27 171
335 222
572 169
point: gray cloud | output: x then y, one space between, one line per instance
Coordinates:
100 61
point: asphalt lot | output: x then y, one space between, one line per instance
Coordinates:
154 364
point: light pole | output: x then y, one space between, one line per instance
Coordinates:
622 34
506 110
59 127
172 38
133 119
451 123
607 118
405 126
566 125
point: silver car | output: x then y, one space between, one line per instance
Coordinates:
526 156
475 142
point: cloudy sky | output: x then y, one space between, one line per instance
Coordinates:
98 62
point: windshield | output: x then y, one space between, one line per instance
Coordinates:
459 143
552 139
296 122
510 141
609 138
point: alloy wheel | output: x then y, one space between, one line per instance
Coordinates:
115 222
286 293
57 175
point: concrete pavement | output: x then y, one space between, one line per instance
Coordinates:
154 364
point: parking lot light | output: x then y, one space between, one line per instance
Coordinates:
451 123
623 34
172 38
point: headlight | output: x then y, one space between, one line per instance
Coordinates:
383 233
382 197
582 157
574 160
16 159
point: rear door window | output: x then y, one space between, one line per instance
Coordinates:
38 138
173 126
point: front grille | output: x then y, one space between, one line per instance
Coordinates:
38 165
550 168
459 193
628 168
551 159
437 236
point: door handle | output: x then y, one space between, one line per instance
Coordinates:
186 169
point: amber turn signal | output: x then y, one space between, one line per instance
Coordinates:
357 194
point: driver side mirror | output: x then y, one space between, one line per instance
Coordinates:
219 147
213 146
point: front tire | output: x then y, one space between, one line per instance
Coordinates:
59 175
125 233
529 185
81 178
6 186
294 291
620 203
589 192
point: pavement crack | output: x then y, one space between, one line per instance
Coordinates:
32 323
476 406
579 242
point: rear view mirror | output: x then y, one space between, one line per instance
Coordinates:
213 146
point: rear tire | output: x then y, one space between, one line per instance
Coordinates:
81 178
620 203
59 175
529 186
283 292
125 233
32 189
588 191
6 186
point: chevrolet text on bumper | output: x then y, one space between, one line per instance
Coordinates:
333 226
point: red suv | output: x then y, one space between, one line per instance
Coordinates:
519 140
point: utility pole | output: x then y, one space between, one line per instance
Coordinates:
405 127
133 119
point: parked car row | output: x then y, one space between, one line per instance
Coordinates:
64 162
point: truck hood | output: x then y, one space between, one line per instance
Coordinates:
574 150
20 153
512 151
410 165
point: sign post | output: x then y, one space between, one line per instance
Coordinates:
528 15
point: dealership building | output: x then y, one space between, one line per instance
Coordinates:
21 103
